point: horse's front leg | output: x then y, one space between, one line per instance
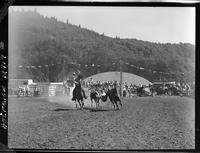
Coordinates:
119 105
80 104
120 102
113 105
116 105
76 104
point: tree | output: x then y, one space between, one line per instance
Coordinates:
44 59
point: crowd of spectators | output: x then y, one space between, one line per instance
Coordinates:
128 90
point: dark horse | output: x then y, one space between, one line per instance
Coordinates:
77 96
114 98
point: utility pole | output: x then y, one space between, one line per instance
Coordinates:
47 66
63 69
121 69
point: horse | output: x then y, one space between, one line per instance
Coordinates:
111 93
77 97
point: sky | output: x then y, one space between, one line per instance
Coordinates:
154 24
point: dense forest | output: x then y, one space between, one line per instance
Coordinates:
46 49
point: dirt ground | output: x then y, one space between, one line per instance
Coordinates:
142 123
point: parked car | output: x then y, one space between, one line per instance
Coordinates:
163 87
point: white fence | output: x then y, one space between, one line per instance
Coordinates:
45 89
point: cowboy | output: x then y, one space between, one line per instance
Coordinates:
77 80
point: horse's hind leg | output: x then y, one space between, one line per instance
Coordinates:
117 105
120 102
113 105
80 104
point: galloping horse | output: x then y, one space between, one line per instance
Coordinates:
78 97
111 93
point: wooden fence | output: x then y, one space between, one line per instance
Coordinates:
45 89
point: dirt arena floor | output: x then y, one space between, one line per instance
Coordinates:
143 123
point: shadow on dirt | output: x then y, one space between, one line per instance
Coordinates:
96 110
84 108
62 109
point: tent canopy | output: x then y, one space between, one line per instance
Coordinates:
115 76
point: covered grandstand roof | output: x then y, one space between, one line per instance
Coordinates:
115 76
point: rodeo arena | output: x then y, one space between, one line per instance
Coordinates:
110 110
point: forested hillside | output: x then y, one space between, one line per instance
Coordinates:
46 49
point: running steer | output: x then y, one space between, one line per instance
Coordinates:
94 96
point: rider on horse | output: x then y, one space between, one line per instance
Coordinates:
77 80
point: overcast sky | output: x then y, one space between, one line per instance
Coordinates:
155 24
